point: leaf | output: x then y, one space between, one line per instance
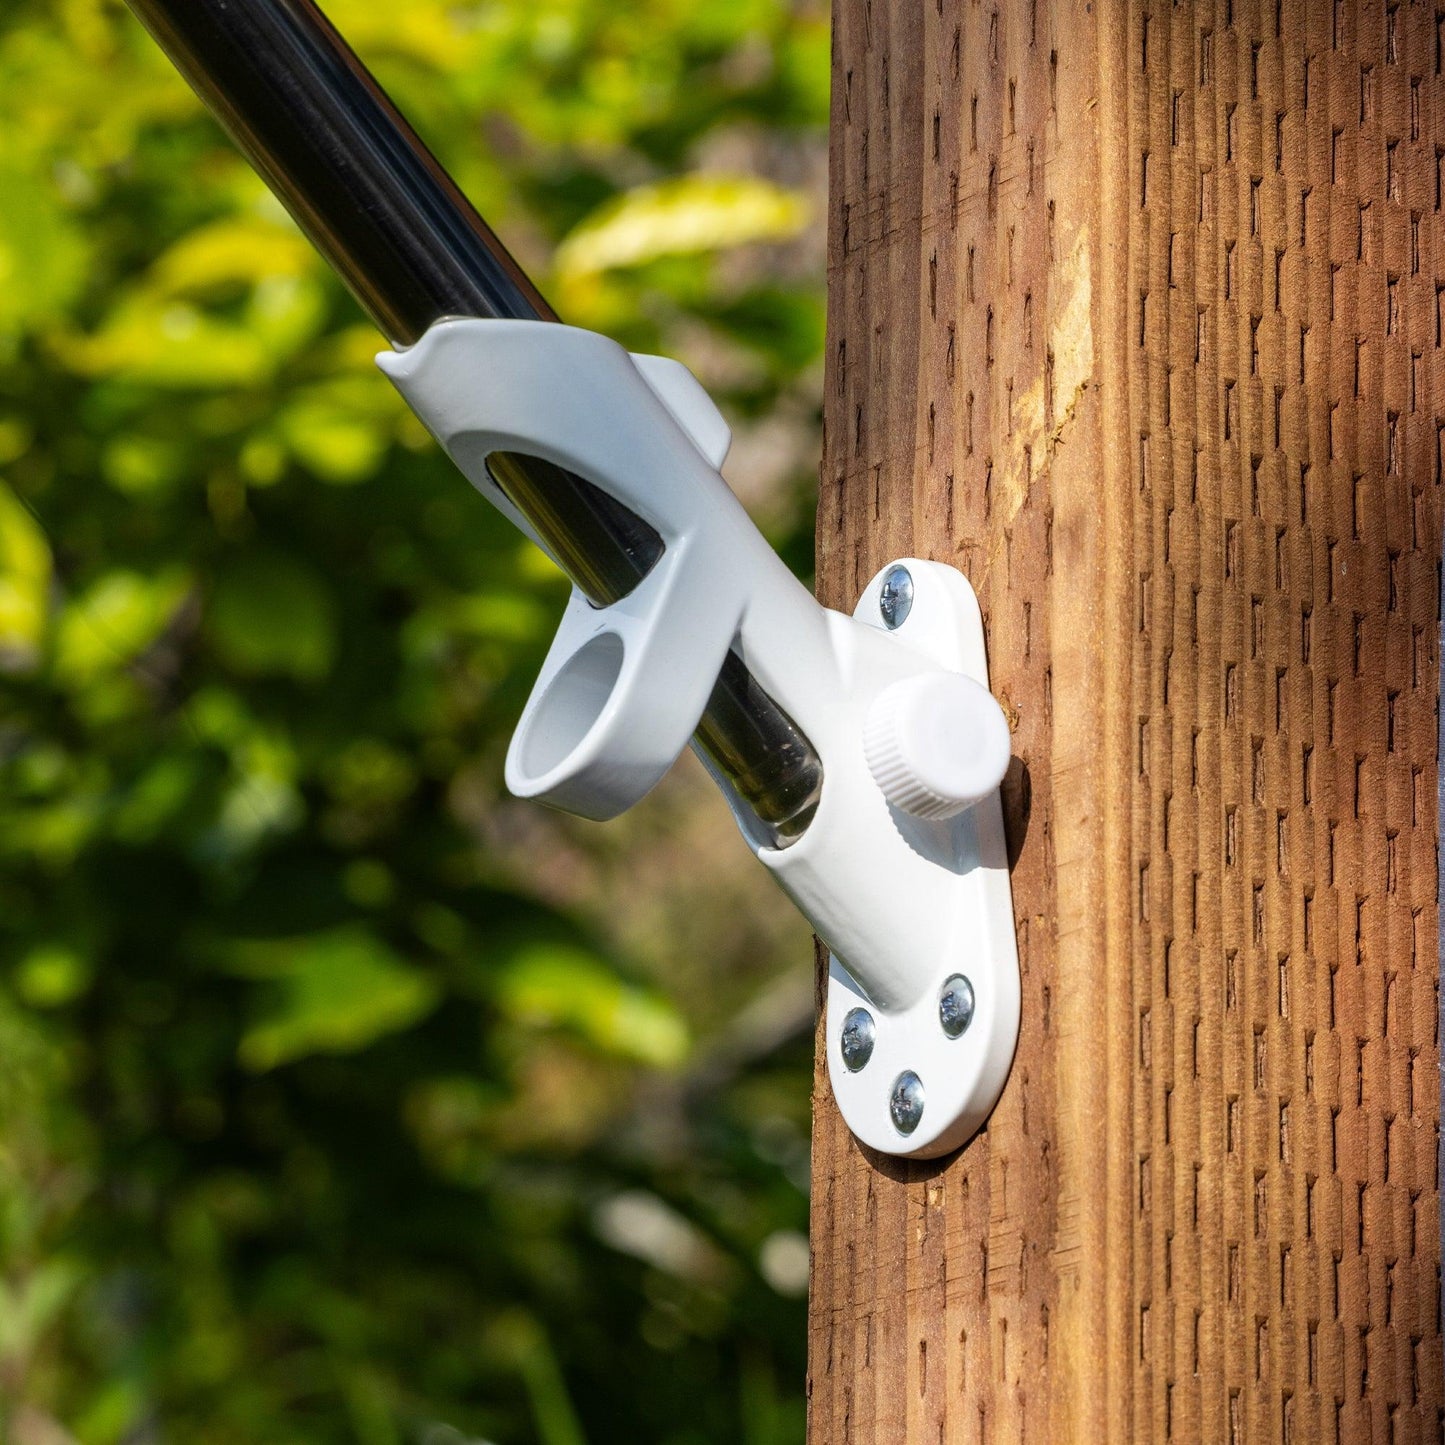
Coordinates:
161 331
175 345
113 621
553 986
333 992
247 249
270 614
691 214
30 1306
511 616
334 445
368 772
155 800
340 429
52 974
782 325
42 253
25 568
143 466
428 31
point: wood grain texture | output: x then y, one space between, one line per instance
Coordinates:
1136 315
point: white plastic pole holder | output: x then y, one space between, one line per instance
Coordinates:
903 870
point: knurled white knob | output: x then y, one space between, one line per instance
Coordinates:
936 743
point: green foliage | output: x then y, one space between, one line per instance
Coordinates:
342 1099
682 217
555 987
269 613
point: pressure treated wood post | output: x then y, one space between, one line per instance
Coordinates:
1136 315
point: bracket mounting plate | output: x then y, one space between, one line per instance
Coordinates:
911 1082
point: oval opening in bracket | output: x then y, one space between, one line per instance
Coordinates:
572 703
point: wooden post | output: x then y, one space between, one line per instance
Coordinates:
1136 316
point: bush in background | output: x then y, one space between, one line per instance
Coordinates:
341 1098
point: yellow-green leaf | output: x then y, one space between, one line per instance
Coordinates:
172 345
333 992
552 986
52 974
701 212
24 584
42 253
114 621
247 249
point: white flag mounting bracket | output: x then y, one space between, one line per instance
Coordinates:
917 1069
895 852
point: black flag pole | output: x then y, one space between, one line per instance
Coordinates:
380 208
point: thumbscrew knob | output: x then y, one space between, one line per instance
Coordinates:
936 743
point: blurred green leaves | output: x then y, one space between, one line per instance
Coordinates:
332 992
43 253
266 303
340 1098
50 975
25 569
558 987
681 217
269 613
113 621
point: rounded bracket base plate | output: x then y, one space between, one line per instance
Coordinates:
910 1081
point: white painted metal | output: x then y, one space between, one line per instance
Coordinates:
911 740
903 901
958 870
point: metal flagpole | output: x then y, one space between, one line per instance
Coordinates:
380 208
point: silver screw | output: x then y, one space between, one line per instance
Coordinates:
906 1103
895 598
859 1032
955 1005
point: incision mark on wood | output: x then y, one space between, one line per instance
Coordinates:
1041 413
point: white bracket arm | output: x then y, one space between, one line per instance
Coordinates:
903 869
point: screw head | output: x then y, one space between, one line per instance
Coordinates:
955 1005
859 1033
895 598
905 1105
